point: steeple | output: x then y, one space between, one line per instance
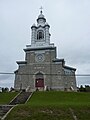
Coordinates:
41 8
41 19
40 36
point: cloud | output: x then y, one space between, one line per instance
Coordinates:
70 31
6 80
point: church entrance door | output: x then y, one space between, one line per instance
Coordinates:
39 82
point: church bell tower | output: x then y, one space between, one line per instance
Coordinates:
40 36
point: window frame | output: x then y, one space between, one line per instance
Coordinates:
40 35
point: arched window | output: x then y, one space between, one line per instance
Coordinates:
40 35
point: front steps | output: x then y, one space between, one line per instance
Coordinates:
4 109
20 99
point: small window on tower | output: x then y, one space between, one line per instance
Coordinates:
40 35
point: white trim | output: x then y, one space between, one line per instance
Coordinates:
29 97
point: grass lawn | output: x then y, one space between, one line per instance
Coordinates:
53 106
54 98
6 97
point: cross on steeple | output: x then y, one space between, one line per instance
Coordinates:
41 9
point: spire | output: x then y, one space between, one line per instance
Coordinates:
41 9
41 17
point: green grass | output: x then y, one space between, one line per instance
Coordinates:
6 97
53 106
26 112
59 99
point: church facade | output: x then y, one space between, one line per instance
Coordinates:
42 69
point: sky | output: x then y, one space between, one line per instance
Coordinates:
69 22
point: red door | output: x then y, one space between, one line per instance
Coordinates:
39 82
